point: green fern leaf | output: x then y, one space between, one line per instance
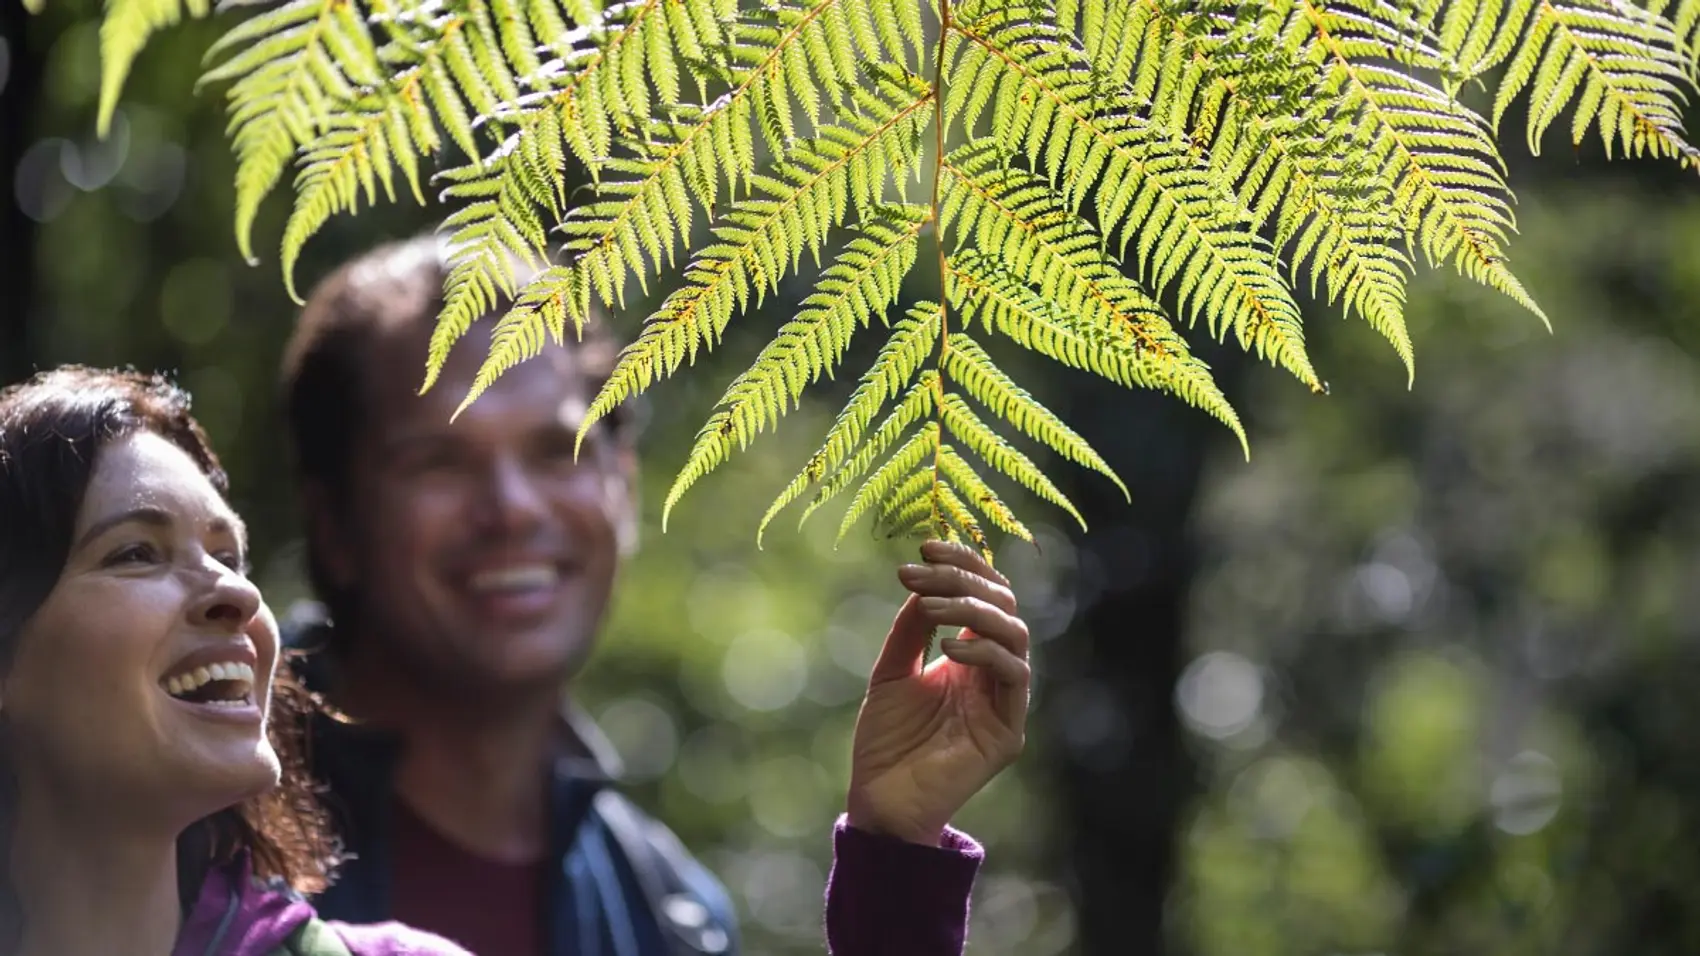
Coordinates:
762 239
975 490
287 74
123 34
538 317
912 337
1445 176
862 282
1052 107
971 368
1215 149
896 475
968 428
1684 18
1621 66
1016 216
650 215
1144 352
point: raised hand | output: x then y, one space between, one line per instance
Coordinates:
928 738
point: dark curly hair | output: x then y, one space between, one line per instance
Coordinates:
51 428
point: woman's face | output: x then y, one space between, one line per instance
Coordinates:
144 680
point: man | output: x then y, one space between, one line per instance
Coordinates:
467 567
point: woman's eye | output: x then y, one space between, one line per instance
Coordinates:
140 553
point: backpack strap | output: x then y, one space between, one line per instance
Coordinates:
661 863
313 938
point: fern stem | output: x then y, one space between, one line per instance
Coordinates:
939 524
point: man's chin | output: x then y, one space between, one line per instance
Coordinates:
534 658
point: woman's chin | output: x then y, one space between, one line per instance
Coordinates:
217 781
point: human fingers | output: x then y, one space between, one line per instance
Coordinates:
948 580
962 556
985 619
1012 677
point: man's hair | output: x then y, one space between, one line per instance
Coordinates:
394 288
52 428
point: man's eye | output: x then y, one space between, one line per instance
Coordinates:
139 553
233 560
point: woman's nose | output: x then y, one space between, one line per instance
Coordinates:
229 602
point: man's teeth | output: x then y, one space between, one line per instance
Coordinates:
242 674
522 578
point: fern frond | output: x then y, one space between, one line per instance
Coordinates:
973 488
1326 204
1146 353
651 210
912 339
539 315
908 467
970 367
1622 66
294 61
123 33
1050 106
1214 149
861 283
968 428
952 517
762 239
1684 18
1015 216
1446 179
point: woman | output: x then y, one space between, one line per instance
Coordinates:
152 794
151 772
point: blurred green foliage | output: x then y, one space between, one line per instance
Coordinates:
1446 638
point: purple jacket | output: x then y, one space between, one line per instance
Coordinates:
884 897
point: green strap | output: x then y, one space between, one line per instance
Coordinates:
313 938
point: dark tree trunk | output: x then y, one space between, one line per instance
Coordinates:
18 96
1116 743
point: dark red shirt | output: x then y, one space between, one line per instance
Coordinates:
488 907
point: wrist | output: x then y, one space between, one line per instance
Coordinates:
908 831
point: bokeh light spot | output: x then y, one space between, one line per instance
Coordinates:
1220 694
1527 793
764 670
643 733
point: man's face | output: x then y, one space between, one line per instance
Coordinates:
480 552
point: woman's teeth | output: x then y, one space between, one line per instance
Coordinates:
237 689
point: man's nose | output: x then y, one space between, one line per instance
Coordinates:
514 498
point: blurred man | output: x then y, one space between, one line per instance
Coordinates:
467 568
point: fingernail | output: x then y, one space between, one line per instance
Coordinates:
934 603
914 572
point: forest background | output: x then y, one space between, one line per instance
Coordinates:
1416 679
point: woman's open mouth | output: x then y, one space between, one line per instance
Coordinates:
215 681
220 685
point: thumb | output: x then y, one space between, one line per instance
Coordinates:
905 645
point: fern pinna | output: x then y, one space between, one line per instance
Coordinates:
1082 174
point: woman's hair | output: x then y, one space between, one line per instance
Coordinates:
51 428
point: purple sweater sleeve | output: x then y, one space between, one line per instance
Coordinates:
886 897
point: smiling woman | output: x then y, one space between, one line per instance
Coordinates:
150 760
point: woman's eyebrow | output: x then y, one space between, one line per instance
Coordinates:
147 515
234 527
159 518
